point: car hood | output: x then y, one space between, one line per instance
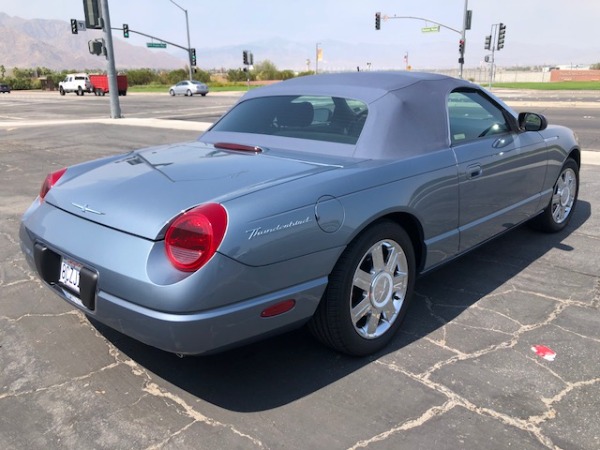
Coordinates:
142 191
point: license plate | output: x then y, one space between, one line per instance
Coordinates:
69 274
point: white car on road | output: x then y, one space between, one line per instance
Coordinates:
189 88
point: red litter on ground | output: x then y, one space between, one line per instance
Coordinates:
545 352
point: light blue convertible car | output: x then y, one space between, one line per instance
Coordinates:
317 201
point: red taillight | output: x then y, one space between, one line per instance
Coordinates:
194 236
51 180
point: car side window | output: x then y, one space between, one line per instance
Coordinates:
473 116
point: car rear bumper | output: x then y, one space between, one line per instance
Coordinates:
193 333
187 316
207 331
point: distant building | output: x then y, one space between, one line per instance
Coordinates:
567 67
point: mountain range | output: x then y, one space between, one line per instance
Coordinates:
50 43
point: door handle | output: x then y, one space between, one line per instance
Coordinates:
503 142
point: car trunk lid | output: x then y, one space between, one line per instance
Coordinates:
141 192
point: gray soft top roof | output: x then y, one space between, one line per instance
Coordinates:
365 86
407 110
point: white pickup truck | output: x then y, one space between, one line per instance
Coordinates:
75 82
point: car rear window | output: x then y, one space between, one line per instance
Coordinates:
319 118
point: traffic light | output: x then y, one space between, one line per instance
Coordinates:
251 58
488 42
378 21
461 47
125 30
74 28
193 56
245 57
501 35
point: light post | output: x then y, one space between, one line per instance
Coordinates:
187 25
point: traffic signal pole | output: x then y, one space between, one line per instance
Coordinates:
466 25
494 42
493 48
111 71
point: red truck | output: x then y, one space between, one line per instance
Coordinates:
100 84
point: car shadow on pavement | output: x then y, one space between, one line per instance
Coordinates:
285 368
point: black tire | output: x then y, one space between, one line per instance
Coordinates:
61 91
189 93
379 298
203 95
559 211
80 91
172 93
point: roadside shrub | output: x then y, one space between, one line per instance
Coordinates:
136 77
238 75
19 83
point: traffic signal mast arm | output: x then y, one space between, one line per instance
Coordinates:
463 40
424 20
154 37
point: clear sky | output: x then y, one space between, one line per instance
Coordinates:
541 29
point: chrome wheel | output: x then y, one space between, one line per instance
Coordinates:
378 289
557 215
565 192
369 291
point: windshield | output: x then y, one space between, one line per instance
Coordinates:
320 118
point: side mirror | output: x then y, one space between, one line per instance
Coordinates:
532 122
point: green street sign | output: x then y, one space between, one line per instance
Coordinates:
156 45
434 29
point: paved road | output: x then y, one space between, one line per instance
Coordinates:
24 107
461 374
579 110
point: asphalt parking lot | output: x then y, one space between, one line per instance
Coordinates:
460 374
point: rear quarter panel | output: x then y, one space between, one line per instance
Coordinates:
282 223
